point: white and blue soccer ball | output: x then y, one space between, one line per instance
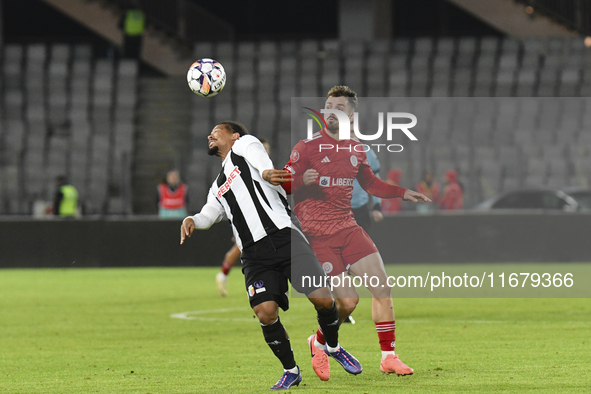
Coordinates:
206 77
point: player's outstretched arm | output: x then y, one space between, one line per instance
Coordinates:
411 195
375 186
212 212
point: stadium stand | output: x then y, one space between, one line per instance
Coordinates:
66 113
515 143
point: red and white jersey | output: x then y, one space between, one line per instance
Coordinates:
324 207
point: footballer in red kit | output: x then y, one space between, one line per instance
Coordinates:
323 169
324 208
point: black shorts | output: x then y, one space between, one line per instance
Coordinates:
270 263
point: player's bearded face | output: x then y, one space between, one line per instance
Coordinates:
213 149
219 137
332 123
340 103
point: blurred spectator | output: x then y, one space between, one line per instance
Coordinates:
132 24
392 205
361 198
65 202
430 188
453 195
172 197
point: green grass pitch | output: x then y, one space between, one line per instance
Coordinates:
111 331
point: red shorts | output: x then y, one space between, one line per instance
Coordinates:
337 252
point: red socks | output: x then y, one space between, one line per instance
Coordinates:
226 267
320 337
385 331
386 335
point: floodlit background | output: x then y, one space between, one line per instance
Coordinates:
71 105
502 92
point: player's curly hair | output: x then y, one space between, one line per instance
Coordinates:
234 127
344 91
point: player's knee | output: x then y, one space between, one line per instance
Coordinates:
347 305
322 303
381 292
266 314
267 318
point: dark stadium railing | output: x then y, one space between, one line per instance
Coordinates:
449 237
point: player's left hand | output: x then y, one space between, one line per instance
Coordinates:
187 229
377 216
277 177
411 195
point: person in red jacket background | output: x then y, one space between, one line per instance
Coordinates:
172 197
453 195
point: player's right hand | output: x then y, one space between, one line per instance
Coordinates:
187 229
309 177
277 177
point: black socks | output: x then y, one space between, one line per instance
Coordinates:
328 319
278 341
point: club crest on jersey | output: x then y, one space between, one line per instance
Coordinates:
327 267
226 186
354 161
295 156
324 181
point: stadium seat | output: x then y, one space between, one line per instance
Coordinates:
354 73
330 75
526 82
309 67
398 77
510 184
534 180
376 75
570 80
488 45
489 179
82 52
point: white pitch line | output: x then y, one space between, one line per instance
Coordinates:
197 315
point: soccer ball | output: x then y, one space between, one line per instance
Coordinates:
206 77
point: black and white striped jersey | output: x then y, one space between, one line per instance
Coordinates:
254 207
